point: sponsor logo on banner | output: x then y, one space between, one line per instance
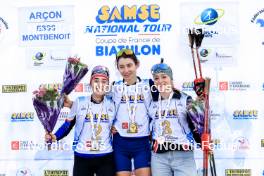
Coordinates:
45 57
218 21
233 86
45 26
214 115
222 55
223 85
238 172
3 28
30 146
14 88
23 172
23 145
57 58
56 173
238 85
258 20
134 27
205 53
14 145
38 58
250 114
187 86
218 55
209 17
22 117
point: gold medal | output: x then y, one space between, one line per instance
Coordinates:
133 128
96 128
95 145
131 108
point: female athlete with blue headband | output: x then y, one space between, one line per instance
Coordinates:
177 122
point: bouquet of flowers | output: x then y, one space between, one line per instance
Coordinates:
46 104
74 72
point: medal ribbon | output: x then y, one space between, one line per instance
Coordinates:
166 111
132 115
90 112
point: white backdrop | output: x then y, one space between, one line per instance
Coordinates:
37 36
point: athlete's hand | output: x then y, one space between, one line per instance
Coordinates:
113 130
49 137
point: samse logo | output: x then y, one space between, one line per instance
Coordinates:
128 14
22 116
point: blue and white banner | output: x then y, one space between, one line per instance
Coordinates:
46 25
219 21
139 27
220 25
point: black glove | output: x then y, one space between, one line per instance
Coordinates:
199 85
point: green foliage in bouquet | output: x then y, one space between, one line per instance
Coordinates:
47 96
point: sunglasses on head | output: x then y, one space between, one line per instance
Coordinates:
159 68
100 70
126 51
